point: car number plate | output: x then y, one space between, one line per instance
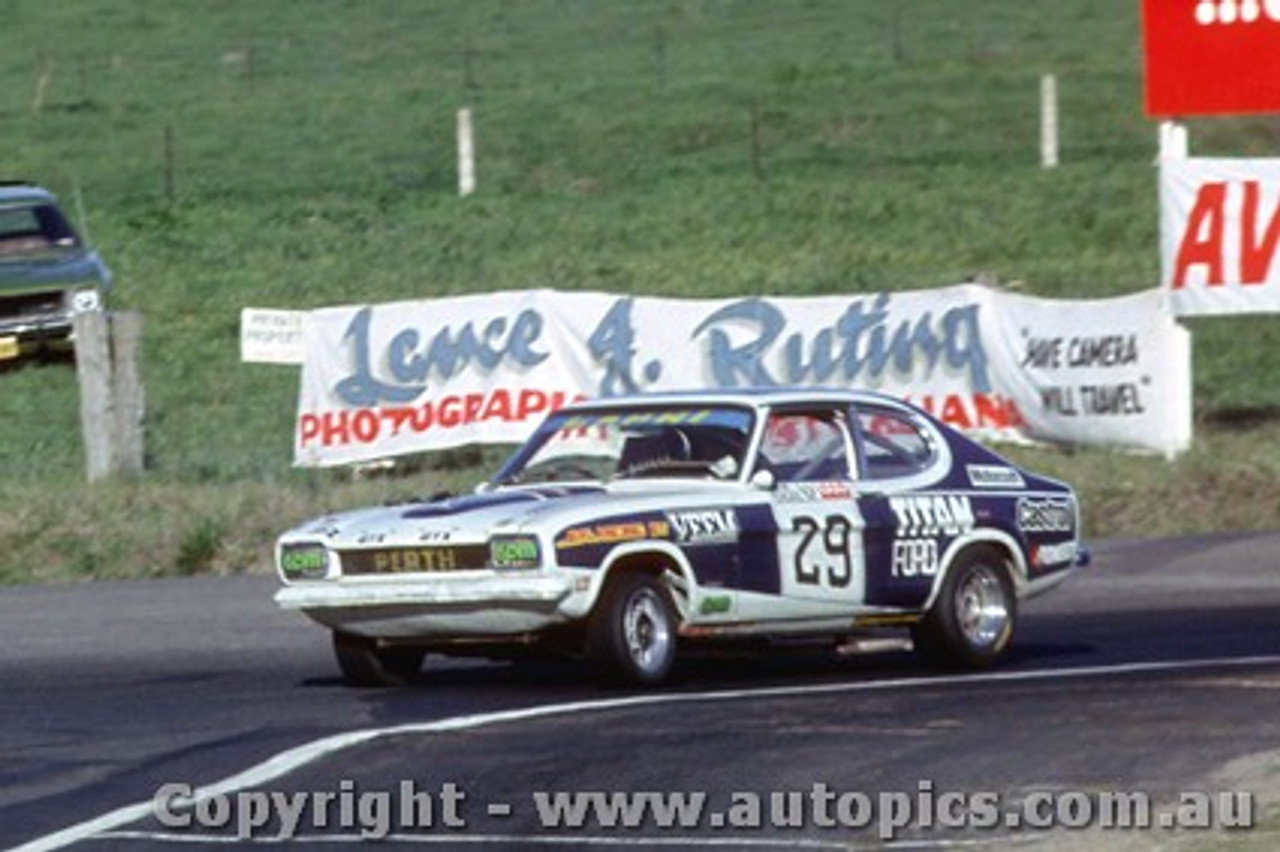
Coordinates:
8 348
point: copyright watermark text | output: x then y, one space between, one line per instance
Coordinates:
447 807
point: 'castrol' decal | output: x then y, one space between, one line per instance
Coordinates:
1046 516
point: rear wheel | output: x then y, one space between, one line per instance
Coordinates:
971 623
633 629
365 663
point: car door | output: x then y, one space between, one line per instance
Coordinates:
809 453
908 521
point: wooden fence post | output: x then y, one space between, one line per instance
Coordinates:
93 374
127 389
466 154
111 398
1049 121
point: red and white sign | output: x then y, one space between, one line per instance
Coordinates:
1220 234
1211 57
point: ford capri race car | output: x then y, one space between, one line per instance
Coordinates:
628 527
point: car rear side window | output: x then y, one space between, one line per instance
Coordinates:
893 443
806 446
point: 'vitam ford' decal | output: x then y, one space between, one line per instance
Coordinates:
933 515
915 557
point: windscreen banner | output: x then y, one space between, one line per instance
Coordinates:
1219 231
389 379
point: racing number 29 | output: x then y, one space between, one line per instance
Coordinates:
834 561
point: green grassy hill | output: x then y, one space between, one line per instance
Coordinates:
293 155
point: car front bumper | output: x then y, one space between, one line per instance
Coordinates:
22 335
474 608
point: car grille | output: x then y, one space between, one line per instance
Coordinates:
433 559
31 305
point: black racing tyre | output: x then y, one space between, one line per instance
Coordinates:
364 663
632 631
971 622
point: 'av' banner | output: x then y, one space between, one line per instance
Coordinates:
1219 231
388 379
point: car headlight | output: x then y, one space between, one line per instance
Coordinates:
304 561
514 551
85 301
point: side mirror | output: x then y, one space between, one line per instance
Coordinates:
763 480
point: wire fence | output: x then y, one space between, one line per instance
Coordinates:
169 101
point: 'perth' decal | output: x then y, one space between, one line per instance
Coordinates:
920 517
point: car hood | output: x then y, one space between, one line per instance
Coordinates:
53 267
475 517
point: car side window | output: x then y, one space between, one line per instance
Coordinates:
806 446
893 444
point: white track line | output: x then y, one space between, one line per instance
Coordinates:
298 757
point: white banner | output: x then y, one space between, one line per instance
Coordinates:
1219 231
1111 372
406 377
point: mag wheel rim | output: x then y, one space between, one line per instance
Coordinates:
647 631
982 607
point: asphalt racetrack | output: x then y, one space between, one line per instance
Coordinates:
1154 673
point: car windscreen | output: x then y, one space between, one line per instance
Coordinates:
625 443
31 227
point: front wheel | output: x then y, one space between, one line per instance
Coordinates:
633 629
365 663
972 620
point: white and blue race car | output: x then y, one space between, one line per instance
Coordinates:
627 528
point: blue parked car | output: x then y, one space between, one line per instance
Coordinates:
47 273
